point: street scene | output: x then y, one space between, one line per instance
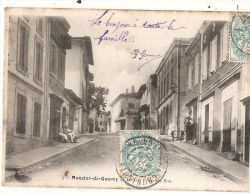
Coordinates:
76 82
85 161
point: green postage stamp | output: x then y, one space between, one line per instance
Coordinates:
140 152
240 38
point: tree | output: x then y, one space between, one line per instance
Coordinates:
97 97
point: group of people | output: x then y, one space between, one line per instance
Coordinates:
67 134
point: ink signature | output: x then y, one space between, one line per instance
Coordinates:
114 38
140 55
108 20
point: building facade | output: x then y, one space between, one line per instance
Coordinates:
217 93
221 91
78 60
35 76
71 110
103 121
147 94
171 85
193 85
59 41
125 112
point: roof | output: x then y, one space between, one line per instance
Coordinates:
175 42
73 96
123 95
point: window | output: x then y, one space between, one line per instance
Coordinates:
223 43
205 63
37 119
39 25
196 70
167 115
164 86
162 90
71 116
38 62
168 83
170 111
130 105
61 66
172 76
53 58
190 75
21 114
213 55
100 122
23 42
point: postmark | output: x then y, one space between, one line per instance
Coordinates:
141 165
240 38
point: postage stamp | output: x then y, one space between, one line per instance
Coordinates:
140 162
240 38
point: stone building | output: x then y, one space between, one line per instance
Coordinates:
78 60
125 111
171 85
147 94
192 95
103 121
222 89
71 110
36 59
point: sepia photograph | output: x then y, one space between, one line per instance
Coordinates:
126 99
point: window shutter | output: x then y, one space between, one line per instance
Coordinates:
26 48
37 119
19 114
37 60
205 63
21 47
41 63
196 72
23 118
213 54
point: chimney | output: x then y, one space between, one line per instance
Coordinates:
132 89
126 90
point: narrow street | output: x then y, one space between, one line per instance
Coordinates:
98 157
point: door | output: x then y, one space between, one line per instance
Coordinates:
227 125
54 121
123 122
247 132
206 132
64 116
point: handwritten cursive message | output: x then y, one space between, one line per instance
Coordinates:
143 55
112 24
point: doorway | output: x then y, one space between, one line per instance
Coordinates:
206 132
64 112
227 125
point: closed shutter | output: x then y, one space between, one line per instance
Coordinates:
213 55
196 71
205 63
21 47
37 119
21 114
26 50
37 60
226 144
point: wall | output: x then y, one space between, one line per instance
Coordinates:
25 85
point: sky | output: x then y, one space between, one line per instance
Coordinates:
115 64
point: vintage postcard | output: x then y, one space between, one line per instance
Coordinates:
126 99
